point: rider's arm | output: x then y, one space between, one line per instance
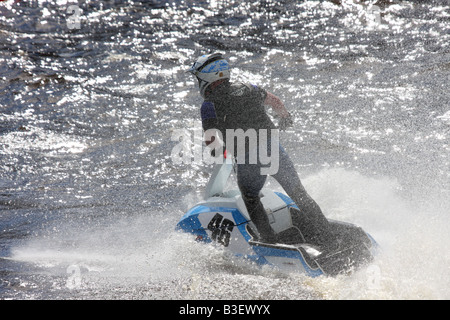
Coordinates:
212 136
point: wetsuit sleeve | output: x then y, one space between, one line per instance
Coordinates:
259 93
208 114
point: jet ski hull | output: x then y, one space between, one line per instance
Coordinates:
224 219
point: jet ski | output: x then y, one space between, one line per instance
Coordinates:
222 218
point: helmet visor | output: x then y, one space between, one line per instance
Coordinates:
203 61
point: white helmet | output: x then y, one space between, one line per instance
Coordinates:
208 69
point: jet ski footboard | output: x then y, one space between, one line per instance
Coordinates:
345 260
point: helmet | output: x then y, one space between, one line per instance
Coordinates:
208 69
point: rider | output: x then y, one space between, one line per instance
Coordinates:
238 105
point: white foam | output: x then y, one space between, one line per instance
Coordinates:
414 258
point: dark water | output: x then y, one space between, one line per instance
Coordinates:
90 96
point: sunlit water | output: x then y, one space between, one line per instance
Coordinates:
90 96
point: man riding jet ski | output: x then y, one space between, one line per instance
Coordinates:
235 112
241 106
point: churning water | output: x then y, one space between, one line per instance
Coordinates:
91 91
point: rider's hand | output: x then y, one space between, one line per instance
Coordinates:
285 122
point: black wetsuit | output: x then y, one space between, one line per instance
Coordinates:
241 106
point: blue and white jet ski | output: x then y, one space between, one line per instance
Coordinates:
223 218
